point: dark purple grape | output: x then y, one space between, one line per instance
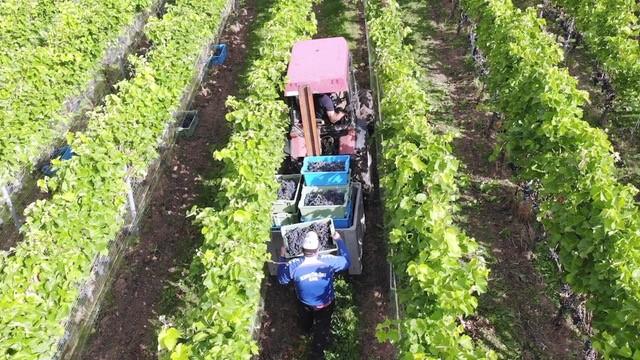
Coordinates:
324 198
325 166
287 189
295 238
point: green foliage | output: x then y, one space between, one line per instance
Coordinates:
36 80
229 267
592 217
24 23
41 280
610 30
345 324
438 268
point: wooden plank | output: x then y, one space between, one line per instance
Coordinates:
308 118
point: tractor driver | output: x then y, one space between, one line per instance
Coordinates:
313 278
325 109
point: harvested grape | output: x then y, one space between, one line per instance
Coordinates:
324 198
325 166
287 189
295 238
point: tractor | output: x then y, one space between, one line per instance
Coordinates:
324 66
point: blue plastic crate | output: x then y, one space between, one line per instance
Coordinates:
220 52
326 178
347 221
63 153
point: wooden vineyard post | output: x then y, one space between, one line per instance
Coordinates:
309 126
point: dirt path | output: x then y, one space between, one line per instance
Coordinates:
517 315
279 337
126 327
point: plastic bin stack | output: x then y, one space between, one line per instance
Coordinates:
310 183
348 217
339 181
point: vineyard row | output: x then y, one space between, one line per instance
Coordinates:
43 277
440 270
588 214
229 268
610 31
44 81
23 23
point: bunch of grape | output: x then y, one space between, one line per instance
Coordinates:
295 238
324 198
325 166
287 189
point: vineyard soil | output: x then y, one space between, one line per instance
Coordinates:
127 325
516 317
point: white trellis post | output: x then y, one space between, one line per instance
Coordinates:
12 209
131 199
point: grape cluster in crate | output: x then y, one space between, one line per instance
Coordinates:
323 190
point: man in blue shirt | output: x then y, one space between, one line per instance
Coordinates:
313 277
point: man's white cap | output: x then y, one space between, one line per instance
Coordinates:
311 241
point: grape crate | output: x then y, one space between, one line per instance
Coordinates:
325 166
325 197
287 189
295 237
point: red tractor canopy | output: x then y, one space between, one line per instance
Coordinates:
322 64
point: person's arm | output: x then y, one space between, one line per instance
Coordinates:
332 114
284 275
343 260
335 116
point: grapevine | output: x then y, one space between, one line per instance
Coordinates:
610 29
41 281
229 268
22 23
438 269
587 213
37 80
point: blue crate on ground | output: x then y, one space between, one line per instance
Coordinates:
220 52
326 178
63 153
